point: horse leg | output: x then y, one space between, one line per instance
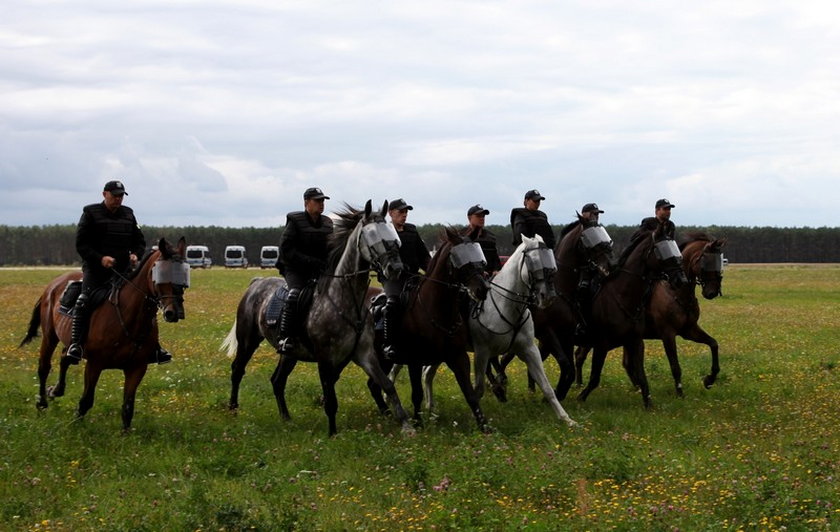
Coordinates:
635 352
415 377
375 387
247 343
133 376
278 383
599 355
580 358
531 356
669 342
550 343
697 334
480 365
378 382
629 368
428 386
329 375
497 385
48 344
460 366
92 373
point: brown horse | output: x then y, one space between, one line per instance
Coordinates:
433 329
672 312
123 331
619 307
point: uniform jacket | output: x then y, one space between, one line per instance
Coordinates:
487 240
651 223
413 251
303 246
102 233
529 223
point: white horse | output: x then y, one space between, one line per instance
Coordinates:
502 323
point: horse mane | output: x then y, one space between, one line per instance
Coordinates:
695 236
343 227
448 235
641 237
134 272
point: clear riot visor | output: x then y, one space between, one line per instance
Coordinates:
377 234
466 253
595 236
540 259
167 271
713 262
667 250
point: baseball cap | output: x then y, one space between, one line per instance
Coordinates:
399 204
314 193
115 187
664 203
591 207
534 194
477 209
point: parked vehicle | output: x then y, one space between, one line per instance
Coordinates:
199 257
235 257
268 256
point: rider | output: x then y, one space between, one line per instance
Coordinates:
109 240
662 215
530 220
415 256
585 288
485 238
303 257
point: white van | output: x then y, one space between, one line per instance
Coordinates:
235 257
199 257
268 256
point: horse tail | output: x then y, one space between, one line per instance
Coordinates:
230 342
34 324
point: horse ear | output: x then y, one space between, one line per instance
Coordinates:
163 246
580 218
384 208
368 208
182 246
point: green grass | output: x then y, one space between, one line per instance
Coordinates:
758 451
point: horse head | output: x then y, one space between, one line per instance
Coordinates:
538 269
595 246
668 259
379 244
170 277
466 262
711 268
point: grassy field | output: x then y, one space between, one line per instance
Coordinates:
758 451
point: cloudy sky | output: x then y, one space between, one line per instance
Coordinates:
222 113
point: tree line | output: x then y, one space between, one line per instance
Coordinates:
48 245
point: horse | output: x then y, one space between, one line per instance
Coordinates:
502 323
618 310
671 312
586 245
123 332
433 329
338 327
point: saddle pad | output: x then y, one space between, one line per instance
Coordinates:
276 304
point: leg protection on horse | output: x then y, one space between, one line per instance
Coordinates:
289 322
78 330
391 322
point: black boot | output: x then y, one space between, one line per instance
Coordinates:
78 330
288 322
390 322
162 356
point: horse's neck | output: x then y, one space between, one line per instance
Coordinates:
132 295
568 263
692 261
631 280
348 264
438 288
509 279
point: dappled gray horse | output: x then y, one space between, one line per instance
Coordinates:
339 327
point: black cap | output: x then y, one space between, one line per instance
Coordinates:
314 193
477 209
115 187
664 203
591 207
399 204
534 194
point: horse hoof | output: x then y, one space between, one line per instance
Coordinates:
408 430
42 405
708 382
486 429
53 392
233 407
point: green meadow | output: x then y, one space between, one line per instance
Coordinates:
758 451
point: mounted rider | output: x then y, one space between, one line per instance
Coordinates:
588 274
415 256
303 258
485 238
662 215
109 241
530 220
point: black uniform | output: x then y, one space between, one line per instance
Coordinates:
651 223
303 248
103 233
529 223
487 240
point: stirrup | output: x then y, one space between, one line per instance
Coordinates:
162 356
285 346
389 353
74 354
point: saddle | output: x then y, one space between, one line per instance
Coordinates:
72 291
274 309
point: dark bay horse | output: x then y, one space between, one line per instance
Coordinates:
433 329
618 310
676 311
339 327
123 331
586 245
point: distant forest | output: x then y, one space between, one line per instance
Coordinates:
55 244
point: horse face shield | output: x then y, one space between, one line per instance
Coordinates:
175 275
541 268
383 245
598 248
468 259
670 258
711 273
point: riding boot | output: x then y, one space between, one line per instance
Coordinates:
162 356
78 330
288 322
390 323
583 303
